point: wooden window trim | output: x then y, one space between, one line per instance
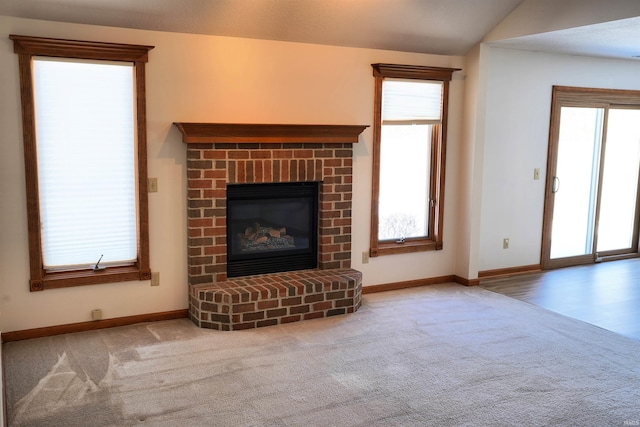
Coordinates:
436 214
26 48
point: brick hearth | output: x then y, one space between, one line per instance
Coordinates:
218 155
271 299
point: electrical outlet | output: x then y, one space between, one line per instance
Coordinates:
505 243
96 314
153 185
365 257
155 279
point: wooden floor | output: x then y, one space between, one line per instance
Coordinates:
605 294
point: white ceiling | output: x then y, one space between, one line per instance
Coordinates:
449 27
614 39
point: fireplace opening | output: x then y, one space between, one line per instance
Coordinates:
271 227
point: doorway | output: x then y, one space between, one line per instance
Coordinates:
591 199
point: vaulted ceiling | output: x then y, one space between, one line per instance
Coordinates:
449 27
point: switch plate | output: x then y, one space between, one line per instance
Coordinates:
155 279
153 185
536 173
505 243
365 257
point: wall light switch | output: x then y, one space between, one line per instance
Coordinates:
536 173
365 257
155 279
505 243
153 185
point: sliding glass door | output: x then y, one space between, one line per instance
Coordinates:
591 203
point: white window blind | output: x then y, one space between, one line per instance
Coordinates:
85 133
411 100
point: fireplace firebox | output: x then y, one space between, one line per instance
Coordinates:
271 227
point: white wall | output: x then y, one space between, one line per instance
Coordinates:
210 79
470 165
515 140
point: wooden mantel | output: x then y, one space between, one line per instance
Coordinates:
237 133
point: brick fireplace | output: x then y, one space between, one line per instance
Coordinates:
222 154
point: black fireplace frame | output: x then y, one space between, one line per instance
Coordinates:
274 261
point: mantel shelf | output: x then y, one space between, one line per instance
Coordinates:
237 133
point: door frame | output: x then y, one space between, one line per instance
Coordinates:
567 96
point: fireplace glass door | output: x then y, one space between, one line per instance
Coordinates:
271 227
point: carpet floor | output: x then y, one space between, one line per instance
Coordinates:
443 355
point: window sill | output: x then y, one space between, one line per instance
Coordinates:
68 279
405 248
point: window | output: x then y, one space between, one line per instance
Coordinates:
409 145
84 132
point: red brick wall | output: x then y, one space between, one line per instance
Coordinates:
211 166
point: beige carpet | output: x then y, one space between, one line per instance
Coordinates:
441 355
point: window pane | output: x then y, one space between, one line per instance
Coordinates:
85 129
576 178
619 180
405 152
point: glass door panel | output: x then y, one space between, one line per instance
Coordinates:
616 223
575 181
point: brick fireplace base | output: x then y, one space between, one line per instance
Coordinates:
221 154
272 299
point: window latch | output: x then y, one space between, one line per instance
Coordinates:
97 266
